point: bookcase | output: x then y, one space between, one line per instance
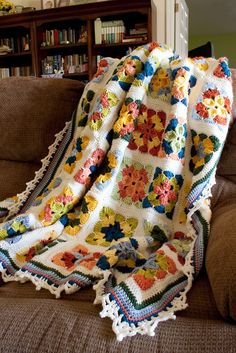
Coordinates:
63 42
18 60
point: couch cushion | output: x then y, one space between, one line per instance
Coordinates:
34 321
32 110
200 300
221 258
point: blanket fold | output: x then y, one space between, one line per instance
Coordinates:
124 202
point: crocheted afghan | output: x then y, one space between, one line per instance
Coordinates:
122 200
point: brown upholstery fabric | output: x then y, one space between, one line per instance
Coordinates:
14 175
221 249
233 73
201 303
34 321
32 110
223 191
221 258
227 164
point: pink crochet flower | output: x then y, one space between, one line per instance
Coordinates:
104 100
165 193
83 176
47 213
97 156
133 108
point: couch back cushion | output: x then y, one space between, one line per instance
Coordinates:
227 164
32 110
233 73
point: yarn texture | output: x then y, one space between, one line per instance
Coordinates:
122 200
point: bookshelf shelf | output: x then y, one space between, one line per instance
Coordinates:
64 46
25 53
77 25
125 44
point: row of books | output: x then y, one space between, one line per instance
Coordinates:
16 44
58 64
15 71
64 36
108 31
111 32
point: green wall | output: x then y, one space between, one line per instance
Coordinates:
224 45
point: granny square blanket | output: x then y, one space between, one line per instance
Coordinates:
122 200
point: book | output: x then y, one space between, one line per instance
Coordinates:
133 39
135 31
98 31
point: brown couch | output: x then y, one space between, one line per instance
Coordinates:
31 111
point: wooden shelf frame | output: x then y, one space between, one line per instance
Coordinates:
35 21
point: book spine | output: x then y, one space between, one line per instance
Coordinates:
52 41
60 37
73 36
48 39
56 37
98 31
70 35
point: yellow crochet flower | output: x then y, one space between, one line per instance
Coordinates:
184 202
147 273
91 202
112 160
111 256
84 218
160 80
203 66
103 177
18 227
69 167
111 228
216 106
72 230
3 234
125 119
77 219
